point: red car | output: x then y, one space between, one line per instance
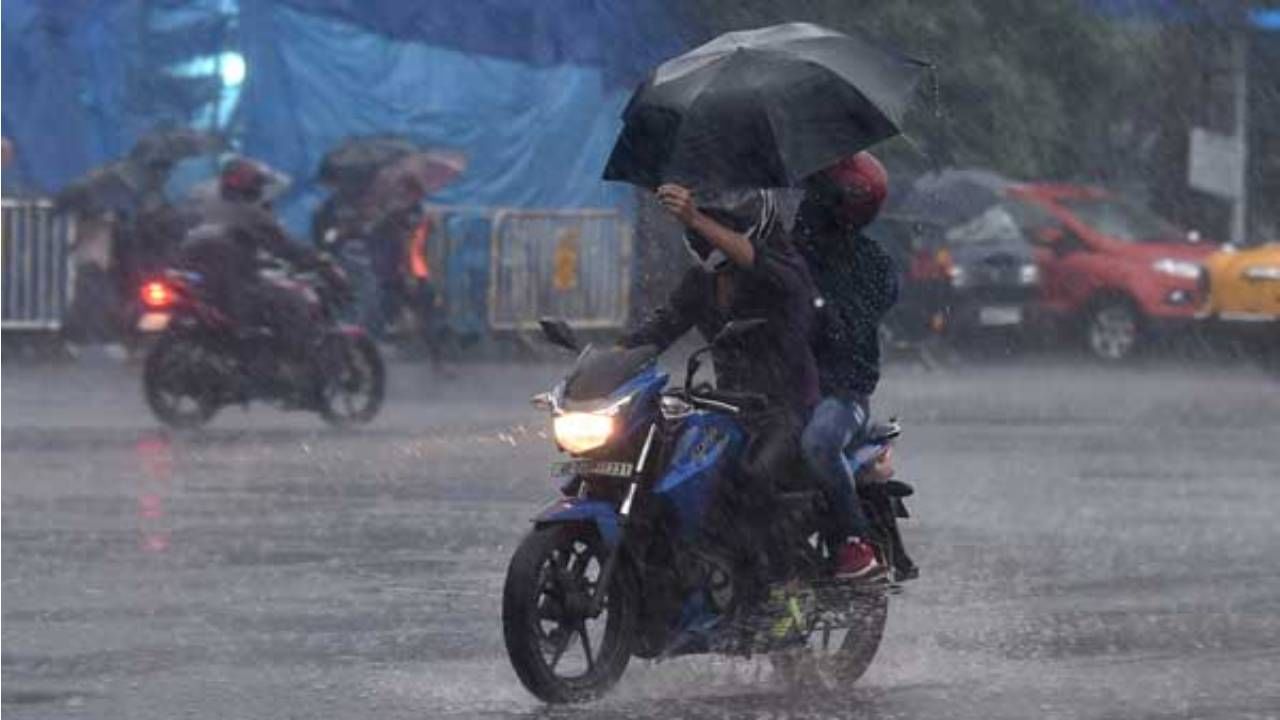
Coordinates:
1115 271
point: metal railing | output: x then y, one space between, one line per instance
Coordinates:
35 250
571 264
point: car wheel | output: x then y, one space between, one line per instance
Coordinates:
1113 330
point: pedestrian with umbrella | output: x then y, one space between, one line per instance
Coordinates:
126 227
342 224
393 204
766 108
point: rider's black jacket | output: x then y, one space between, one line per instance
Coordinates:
858 284
777 360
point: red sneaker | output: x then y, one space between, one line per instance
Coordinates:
857 559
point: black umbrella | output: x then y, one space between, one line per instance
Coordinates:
354 162
762 108
116 187
165 148
951 197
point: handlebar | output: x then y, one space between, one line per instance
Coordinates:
730 400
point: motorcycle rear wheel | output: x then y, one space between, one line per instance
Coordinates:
544 632
171 382
835 658
355 395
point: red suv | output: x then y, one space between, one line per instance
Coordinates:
1116 271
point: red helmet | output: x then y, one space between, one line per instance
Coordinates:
862 185
243 180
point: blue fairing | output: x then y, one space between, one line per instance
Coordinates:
644 389
707 441
573 509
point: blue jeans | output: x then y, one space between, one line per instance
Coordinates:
834 425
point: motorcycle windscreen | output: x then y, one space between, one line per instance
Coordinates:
600 371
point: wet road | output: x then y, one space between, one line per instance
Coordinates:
1095 544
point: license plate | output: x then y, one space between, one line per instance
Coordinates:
592 467
1000 315
153 322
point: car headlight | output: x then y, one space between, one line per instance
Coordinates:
580 432
1029 274
1259 273
1177 268
959 276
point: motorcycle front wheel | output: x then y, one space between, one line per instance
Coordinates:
356 387
560 653
178 383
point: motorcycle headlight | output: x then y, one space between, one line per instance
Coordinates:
580 432
1177 268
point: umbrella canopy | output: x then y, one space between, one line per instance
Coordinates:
354 163
408 180
168 147
115 187
951 197
762 108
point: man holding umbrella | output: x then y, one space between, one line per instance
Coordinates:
745 268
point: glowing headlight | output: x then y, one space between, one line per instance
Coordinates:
1029 274
959 276
1177 268
580 432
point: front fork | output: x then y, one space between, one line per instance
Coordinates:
624 515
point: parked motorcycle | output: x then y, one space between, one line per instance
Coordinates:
649 552
203 360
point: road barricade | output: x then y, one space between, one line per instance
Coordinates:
37 273
570 264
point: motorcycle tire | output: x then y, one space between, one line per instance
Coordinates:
167 365
360 369
543 584
834 669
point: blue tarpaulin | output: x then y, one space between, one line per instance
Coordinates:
530 90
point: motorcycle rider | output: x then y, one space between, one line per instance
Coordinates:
857 283
745 268
233 230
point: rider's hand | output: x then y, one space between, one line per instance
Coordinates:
337 278
678 200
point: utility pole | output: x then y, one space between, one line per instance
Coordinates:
1240 91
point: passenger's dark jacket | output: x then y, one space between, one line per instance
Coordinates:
776 360
858 284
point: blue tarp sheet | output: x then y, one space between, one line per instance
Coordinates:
529 89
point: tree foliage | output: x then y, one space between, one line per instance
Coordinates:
1032 89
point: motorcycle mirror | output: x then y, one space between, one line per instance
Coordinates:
737 328
543 401
558 332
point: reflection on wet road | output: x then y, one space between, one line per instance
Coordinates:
1094 544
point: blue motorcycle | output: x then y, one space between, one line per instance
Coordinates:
650 552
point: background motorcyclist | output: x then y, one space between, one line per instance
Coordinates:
858 285
233 233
